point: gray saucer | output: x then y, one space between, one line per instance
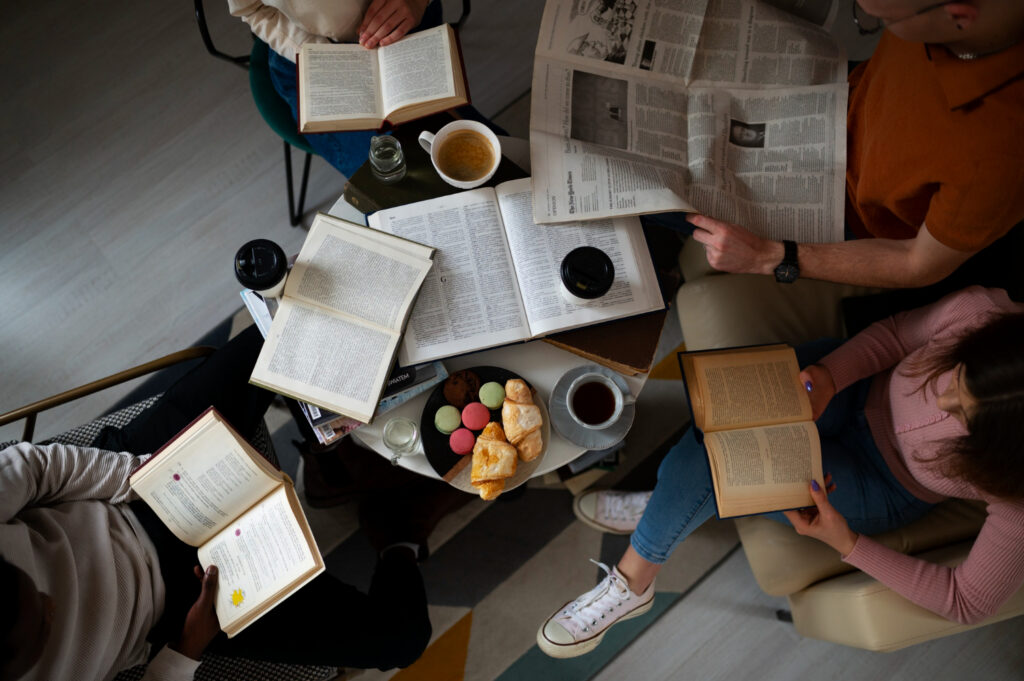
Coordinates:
577 434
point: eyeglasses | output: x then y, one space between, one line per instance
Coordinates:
868 24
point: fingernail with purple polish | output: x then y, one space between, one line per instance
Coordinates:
807 384
815 486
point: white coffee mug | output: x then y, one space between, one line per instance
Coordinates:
434 144
593 409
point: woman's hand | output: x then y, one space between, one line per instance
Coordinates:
822 521
820 388
731 248
386 21
201 624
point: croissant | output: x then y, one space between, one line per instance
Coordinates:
494 459
522 420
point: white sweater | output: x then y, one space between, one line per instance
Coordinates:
66 524
285 24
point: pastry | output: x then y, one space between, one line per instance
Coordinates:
461 441
494 459
492 395
447 419
461 388
522 420
475 416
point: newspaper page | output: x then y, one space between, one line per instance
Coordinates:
416 69
734 109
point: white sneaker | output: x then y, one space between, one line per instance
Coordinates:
610 511
578 626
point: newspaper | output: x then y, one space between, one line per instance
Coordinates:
733 108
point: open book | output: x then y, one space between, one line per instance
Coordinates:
733 109
496 278
215 492
348 87
336 332
755 417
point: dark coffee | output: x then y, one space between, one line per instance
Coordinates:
593 403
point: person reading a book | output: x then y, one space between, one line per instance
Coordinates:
286 24
934 154
922 406
95 582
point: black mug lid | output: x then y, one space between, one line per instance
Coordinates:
260 264
587 272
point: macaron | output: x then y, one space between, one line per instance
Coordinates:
492 394
462 441
475 416
447 419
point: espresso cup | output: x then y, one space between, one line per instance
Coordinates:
595 402
464 153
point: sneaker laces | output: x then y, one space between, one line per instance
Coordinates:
587 611
626 507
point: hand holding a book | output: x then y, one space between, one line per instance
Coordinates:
732 248
387 21
201 624
820 388
822 521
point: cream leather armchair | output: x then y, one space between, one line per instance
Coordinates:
828 599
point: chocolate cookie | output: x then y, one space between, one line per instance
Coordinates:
461 388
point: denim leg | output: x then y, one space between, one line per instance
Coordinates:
683 499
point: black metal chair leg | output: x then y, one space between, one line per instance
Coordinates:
295 214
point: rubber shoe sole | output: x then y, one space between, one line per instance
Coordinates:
567 650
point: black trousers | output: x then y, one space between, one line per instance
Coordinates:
326 622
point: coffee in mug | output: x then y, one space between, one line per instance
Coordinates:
595 402
464 153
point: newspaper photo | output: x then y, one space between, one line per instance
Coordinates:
731 108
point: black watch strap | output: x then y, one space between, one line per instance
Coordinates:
789 269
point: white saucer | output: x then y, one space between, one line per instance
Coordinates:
574 432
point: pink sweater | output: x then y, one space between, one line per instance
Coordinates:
907 425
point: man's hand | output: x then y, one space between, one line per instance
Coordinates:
731 248
822 521
820 388
386 21
201 625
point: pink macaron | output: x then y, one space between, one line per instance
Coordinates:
461 441
475 416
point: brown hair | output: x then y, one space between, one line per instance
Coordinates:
991 455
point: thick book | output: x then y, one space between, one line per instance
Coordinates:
625 345
496 279
348 87
215 492
339 322
755 419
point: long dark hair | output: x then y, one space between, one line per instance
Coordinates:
991 455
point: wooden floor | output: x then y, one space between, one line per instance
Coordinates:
133 165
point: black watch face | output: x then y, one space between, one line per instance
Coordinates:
786 273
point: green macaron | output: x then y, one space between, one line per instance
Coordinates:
492 394
447 419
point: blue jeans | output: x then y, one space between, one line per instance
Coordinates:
346 151
867 494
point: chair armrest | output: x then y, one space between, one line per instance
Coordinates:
29 411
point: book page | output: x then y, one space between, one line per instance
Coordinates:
338 82
262 557
416 69
327 359
537 252
470 300
201 481
757 470
750 387
358 272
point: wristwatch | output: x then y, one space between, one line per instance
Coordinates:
788 270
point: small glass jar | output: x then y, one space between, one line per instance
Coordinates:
401 436
387 162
